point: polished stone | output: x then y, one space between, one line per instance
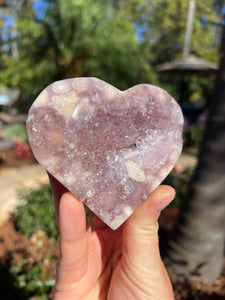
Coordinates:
110 148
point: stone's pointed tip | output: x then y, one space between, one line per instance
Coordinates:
109 148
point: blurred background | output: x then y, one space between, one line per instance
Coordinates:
178 45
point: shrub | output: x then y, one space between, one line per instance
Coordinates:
33 280
15 131
38 213
179 181
193 136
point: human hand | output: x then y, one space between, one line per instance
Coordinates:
107 264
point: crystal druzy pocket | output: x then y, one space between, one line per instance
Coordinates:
110 148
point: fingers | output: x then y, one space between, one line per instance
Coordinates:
57 190
73 242
140 236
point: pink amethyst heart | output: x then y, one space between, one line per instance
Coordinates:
109 148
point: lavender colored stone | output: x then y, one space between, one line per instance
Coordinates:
111 149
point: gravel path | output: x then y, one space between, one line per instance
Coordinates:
12 181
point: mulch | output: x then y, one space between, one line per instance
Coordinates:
15 247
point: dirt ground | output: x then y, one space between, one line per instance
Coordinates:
9 161
193 290
15 247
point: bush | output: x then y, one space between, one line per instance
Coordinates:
38 213
33 280
193 136
15 131
179 181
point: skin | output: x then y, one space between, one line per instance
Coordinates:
107 264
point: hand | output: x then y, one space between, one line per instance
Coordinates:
106 264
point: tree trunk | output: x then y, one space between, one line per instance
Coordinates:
196 248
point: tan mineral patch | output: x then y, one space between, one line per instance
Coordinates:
117 222
70 179
60 87
66 104
57 139
173 156
164 172
135 172
80 83
127 210
42 99
86 108
150 178
110 92
160 96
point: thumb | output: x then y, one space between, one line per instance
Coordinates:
141 253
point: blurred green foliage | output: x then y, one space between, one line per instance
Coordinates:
192 136
15 131
199 87
119 41
38 212
179 181
75 38
33 281
166 25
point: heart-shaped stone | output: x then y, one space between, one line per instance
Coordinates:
110 148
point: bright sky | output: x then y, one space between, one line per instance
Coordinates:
40 7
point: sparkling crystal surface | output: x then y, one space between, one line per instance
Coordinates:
110 148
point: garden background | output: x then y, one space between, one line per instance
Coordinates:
124 42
